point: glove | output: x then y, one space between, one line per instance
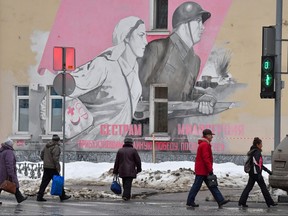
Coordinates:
269 172
211 173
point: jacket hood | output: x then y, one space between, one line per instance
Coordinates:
203 139
5 147
52 143
252 150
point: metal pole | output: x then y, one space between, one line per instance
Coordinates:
64 109
153 148
278 87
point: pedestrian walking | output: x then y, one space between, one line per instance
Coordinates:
255 175
50 155
204 168
8 169
127 165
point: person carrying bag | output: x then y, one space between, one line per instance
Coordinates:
204 172
50 155
8 172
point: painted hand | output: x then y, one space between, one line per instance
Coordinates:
206 104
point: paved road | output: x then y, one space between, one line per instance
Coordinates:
158 204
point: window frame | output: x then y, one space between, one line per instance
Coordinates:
17 110
49 110
153 16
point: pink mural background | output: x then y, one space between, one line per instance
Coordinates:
88 25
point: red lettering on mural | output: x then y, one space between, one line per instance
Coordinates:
218 129
148 145
99 144
121 129
81 110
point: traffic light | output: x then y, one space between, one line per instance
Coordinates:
267 77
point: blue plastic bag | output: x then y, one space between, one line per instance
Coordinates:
57 185
115 186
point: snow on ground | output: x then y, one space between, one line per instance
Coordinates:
172 176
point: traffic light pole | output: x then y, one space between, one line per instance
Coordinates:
64 109
278 83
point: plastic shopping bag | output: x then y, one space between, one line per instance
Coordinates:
57 185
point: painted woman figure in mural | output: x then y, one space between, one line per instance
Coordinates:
173 61
108 87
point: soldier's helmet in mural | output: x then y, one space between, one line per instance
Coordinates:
187 12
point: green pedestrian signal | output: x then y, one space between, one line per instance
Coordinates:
267 77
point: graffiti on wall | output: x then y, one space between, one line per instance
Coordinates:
111 98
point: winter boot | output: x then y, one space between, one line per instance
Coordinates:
41 199
19 197
65 197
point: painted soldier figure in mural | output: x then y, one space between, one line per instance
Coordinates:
108 87
173 61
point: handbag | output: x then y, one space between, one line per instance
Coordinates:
8 186
212 181
57 185
115 186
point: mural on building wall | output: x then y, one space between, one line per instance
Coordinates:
112 88
108 87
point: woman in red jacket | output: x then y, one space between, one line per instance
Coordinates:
203 168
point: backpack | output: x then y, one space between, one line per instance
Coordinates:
248 164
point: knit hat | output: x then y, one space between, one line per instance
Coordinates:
9 142
128 140
55 137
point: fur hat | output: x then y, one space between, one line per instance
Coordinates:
55 137
9 142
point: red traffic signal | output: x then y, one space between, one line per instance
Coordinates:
63 58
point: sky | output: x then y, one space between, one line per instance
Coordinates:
173 176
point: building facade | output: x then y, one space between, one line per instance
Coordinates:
207 53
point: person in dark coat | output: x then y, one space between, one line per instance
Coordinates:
127 165
255 175
8 169
50 155
203 168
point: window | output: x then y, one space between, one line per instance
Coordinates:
55 111
22 109
161 14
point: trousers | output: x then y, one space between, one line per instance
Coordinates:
46 178
196 187
127 185
251 181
